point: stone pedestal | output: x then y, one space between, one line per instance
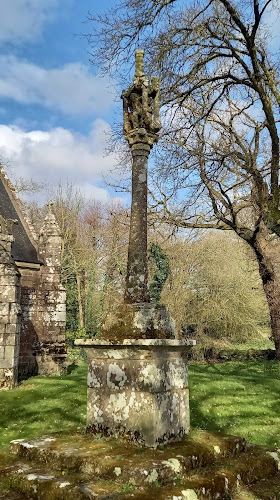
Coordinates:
138 321
138 388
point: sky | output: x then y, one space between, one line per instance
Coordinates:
55 111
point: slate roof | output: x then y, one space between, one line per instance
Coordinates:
23 249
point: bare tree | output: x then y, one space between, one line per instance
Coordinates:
214 288
219 163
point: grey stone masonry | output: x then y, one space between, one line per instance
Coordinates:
10 314
42 346
51 308
141 320
32 299
138 388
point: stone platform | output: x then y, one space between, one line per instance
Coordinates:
138 388
204 466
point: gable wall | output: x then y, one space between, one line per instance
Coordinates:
32 299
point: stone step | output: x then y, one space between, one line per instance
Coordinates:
262 490
42 483
25 481
79 451
81 466
33 482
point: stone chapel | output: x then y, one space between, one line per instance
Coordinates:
32 298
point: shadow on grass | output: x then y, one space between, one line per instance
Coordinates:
233 398
237 398
71 368
42 405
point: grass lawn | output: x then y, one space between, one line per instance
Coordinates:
237 398
41 405
234 398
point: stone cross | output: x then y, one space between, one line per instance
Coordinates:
138 378
141 125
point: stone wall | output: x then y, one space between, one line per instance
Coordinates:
32 309
32 299
10 315
43 301
42 345
30 279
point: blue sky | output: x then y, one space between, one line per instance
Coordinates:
54 107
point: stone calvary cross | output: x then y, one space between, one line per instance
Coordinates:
136 317
137 374
141 125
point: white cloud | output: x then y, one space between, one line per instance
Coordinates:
270 25
23 20
70 89
59 155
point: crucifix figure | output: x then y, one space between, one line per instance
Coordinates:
141 125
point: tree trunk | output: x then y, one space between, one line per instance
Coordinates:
267 251
272 292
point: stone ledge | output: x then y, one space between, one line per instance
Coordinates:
142 343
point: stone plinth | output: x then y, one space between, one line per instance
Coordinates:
138 388
143 320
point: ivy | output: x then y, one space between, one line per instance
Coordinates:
157 256
72 323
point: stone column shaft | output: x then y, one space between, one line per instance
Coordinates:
137 264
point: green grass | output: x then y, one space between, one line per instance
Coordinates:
234 398
261 343
237 398
42 405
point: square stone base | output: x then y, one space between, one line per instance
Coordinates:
138 388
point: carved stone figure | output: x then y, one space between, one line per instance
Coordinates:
141 106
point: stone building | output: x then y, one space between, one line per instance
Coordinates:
32 299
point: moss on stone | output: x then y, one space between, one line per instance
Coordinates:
77 464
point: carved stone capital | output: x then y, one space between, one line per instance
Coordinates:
141 136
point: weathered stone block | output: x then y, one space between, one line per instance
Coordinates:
13 328
4 309
140 320
7 293
61 308
8 339
138 388
8 363
8 377
10 352
9 311
57 316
